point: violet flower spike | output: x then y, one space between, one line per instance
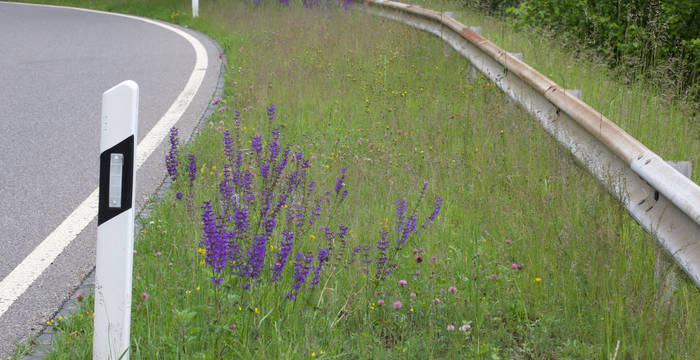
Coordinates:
271 112
322 257
256 144
256 257
171 162
215 240
228 145
302 265
285 248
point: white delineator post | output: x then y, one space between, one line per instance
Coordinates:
115 222
195 8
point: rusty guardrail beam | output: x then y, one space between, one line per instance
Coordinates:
663 201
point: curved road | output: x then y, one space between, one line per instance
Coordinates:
54 65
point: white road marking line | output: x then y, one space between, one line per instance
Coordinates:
17 282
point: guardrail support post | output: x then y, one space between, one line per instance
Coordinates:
665 269
446 47
195 8
577 93
115 222
472 71
518 55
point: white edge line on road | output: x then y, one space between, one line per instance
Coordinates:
17 282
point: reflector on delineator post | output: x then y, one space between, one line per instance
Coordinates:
115 220
116 164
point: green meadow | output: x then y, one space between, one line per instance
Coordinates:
528 258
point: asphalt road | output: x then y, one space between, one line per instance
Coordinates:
54 65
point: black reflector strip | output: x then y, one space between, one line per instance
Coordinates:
104 211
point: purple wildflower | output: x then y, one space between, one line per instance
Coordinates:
322 257
270 226
228 145
271 109
256 144
316 212
256 256
409 227
285 248
339 183
264 170
215 240
171 159
436 209
302 265
274 147
240 216
342 231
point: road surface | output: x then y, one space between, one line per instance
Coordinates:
54 65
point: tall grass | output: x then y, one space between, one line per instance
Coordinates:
530 256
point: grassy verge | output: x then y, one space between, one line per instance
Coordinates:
529 257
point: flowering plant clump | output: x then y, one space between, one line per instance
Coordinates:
266 204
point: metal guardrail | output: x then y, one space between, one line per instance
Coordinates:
662 200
